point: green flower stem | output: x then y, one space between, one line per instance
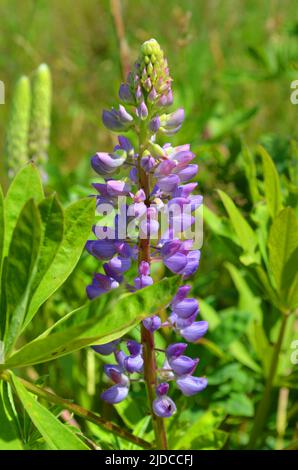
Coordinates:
146 336
264 404
79 411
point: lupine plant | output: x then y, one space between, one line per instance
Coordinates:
28 129
158 180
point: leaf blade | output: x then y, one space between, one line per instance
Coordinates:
57 435
86 325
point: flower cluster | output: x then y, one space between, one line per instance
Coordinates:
158 181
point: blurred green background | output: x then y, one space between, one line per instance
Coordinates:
232 64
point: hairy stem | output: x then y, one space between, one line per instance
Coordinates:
79 411
146 336
264 404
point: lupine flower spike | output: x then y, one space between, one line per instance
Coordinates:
158 179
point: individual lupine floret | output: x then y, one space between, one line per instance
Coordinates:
163 405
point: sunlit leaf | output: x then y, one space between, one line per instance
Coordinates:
26 185
22 258
79 217
99 321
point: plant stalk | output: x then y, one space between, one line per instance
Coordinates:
79 411
265 402
147 337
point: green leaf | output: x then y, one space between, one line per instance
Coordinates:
213 440
218 225
52 224
251 174
290 280
209 314
1 230
99 321
56 434
26 185
22 257
239 352
271 183
204 426
283 241
79 217
245 233
239 404
9 437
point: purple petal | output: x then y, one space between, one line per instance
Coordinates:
195 331
188 172
175 350
186 308
190 385
134 363
164 407
152 323
182 365
168 183
115 394
106 349
162 389
133 347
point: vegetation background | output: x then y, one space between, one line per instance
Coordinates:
232 64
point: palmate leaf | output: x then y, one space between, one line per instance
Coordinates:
99 321
57 435
23 252
78 219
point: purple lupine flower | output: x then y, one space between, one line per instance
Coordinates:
144 279
154 124
134 347
186 308
106 349
164 407
105 163
175 350
115 373
183 365
125 94
101 249
147 163
115 120
142 111
195 331
158 181
162 389
115 394
101 284
133 363
190 385
152 323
